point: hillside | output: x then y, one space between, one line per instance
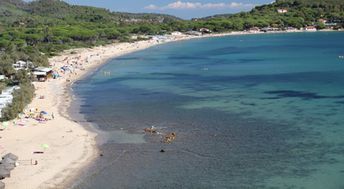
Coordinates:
309 10
54 25
57 9
311 2
299 13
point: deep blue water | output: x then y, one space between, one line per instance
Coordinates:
258 111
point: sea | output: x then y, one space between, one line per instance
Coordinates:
249 111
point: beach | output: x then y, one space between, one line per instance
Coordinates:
52 152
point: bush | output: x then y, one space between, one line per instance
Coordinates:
21 98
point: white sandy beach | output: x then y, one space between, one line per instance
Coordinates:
66 145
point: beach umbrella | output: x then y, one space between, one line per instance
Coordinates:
44 112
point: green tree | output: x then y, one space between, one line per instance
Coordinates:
320 25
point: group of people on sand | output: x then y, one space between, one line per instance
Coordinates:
40 116
70 64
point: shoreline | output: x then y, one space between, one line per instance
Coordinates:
71 145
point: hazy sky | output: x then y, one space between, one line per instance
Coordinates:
181 8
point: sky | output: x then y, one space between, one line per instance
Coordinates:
186 9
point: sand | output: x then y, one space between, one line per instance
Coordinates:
65 145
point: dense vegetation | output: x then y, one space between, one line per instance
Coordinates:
52 25
21 98
300 13
39 29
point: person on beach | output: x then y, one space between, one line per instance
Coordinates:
52 115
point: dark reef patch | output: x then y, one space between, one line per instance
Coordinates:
299 94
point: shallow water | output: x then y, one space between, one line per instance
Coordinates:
260 111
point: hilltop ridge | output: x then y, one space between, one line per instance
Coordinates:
59 9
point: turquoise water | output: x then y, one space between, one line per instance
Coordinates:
258 111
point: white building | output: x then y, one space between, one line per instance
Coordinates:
254 30
205 30
195 33
310 28
42 73
176 33
270 29
20 65
282 11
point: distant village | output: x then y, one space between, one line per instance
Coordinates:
327 25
